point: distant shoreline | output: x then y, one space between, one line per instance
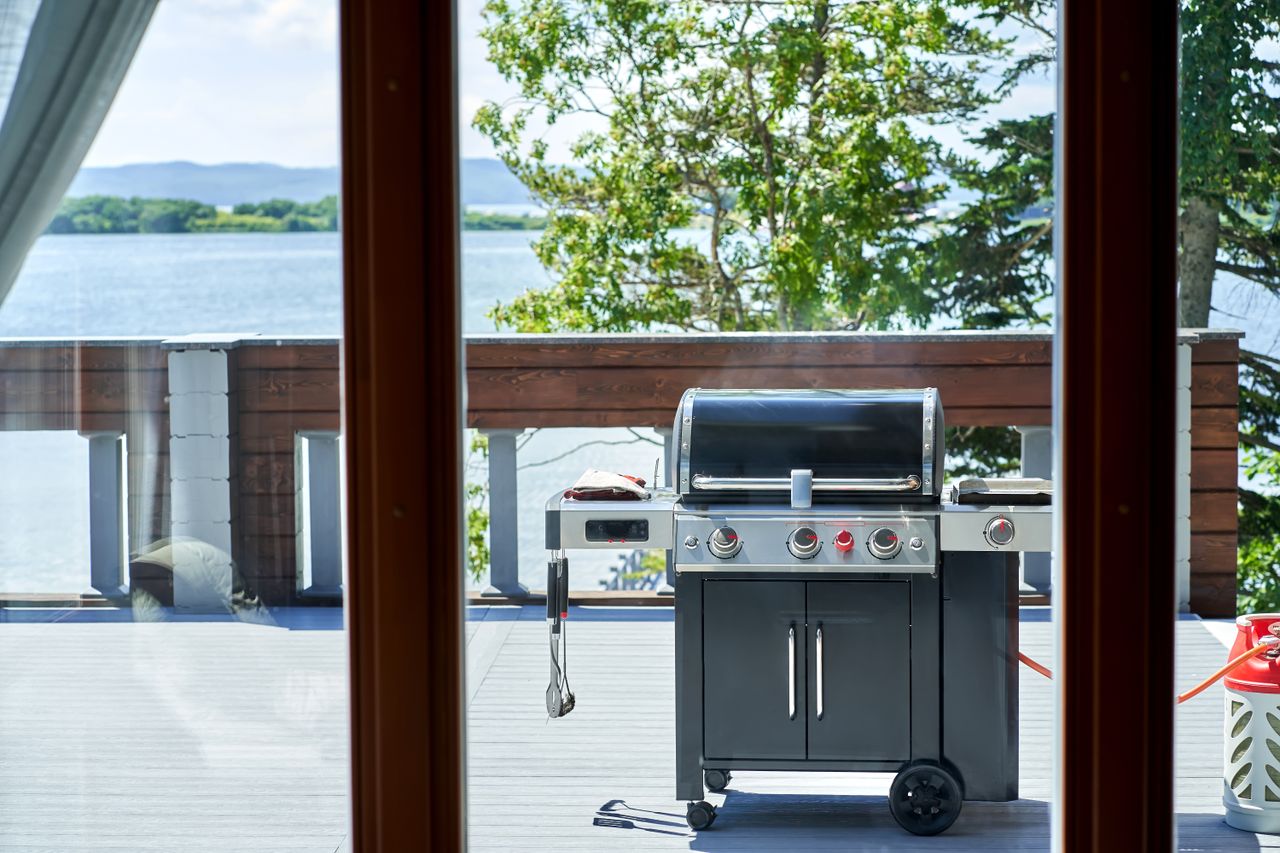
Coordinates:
107 214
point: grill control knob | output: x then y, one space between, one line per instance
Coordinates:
999 531
724 542
884 544
844 541
804 543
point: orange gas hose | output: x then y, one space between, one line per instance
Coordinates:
1043 670
1182 697
1231 664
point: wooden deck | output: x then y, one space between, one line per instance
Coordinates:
202 735
602 778
183 737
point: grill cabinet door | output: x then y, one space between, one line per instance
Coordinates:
866 670
753 673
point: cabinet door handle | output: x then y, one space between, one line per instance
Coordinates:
818 643
791 671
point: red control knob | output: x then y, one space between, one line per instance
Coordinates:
844 541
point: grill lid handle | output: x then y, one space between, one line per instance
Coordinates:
910 483
801 488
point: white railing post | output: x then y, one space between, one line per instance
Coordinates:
318 513
108 514
504 510
668 585
1182 481
1037 461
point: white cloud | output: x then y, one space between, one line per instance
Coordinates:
229 80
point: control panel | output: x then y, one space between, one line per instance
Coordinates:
976 527
754 541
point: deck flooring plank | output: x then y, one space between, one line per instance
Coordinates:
195 736
186 736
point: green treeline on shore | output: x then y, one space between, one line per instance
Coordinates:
106 214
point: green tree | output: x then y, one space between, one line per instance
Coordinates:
797 133
990 264
170 216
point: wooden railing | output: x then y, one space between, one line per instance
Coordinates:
273 390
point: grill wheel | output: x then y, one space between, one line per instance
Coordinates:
925 799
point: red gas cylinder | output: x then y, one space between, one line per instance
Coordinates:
1251 746
1259 674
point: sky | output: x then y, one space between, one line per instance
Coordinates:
217 81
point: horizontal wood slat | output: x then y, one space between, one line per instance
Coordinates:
1214 427
621 388
55 359
1213 512
266 474
690 352
1222 351
38 392
1214 553
289 390
1213 595
661 417
1213 469
308 356
1214 385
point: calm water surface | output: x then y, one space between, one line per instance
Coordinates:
273 284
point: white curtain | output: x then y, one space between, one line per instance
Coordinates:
16 18
61 64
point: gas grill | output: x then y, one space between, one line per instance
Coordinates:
832 610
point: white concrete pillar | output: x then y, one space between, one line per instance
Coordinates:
1182 488
1037 461
202 483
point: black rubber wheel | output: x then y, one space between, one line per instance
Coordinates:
925 799
700 815
717 780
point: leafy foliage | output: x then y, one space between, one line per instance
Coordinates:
797 133
477 505
990 263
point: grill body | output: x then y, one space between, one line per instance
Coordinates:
832 611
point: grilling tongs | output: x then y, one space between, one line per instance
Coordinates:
559 696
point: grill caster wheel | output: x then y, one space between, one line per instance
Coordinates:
717 780
700 815
925 799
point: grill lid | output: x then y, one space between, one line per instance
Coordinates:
742 445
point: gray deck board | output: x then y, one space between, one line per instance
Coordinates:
195 737
184 736
603 777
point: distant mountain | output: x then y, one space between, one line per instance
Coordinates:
491 182
483 182
221 184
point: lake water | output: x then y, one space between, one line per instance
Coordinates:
274 284
285 284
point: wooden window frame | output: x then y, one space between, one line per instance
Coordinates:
1114 395
403 421
403 425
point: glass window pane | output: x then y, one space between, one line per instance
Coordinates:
1228 523
832 206
171 574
